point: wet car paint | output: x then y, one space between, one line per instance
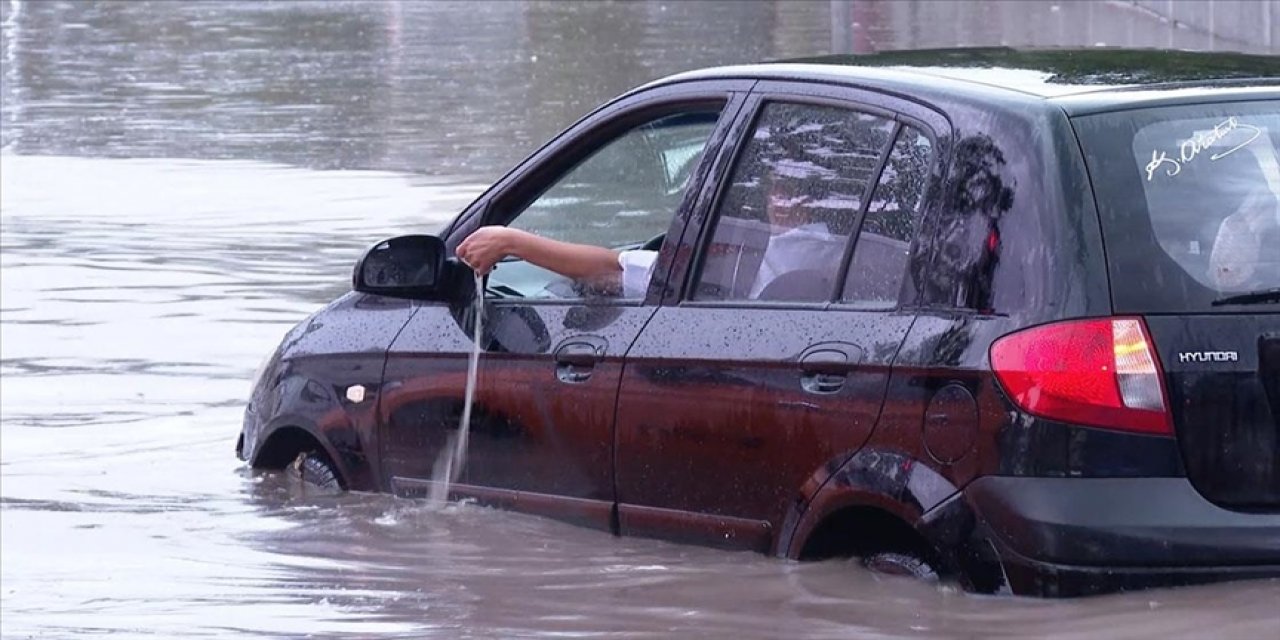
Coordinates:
715 439
304 387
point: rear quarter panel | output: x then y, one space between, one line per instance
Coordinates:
1011 239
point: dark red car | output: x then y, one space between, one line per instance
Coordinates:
1026 335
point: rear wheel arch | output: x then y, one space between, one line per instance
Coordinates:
874 503
862 528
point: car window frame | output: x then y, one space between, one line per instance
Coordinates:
560 155
901 110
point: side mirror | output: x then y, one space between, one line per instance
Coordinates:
404 267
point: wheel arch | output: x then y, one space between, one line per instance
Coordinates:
874 494
881 496
850 520
283 444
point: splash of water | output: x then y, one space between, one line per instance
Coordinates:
453 456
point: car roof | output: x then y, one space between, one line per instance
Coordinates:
1078 80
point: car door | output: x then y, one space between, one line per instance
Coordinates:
541 434
741 396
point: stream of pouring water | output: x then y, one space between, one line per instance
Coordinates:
453 455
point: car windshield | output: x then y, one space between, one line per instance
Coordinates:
1190 204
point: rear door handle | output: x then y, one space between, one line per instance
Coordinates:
824 368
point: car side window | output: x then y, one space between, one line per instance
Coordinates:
622 196
783 225
884 240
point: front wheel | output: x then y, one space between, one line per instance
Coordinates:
898 563
315 469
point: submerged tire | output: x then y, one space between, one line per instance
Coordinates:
315 469
898 563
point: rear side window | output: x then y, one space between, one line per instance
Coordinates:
1190 202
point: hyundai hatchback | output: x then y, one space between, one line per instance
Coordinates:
1032 343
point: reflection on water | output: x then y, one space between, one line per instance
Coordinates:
142 286
461 88
139 294
138 297
444 88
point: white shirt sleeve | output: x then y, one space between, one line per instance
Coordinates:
637 268
807 248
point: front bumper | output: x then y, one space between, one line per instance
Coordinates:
247 443
1081 536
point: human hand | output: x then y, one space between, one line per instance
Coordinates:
485 247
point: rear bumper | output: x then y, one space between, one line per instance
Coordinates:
1081 536
1032 578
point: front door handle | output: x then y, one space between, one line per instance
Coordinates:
576 360
822 383
572 374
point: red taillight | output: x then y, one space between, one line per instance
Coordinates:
1099 372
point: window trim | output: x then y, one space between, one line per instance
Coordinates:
566 302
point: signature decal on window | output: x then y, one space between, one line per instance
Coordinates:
1199 142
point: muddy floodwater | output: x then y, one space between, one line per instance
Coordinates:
180 182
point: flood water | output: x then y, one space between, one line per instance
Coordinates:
180 182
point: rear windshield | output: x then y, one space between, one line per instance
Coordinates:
1190 203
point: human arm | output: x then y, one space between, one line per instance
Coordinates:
486 246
